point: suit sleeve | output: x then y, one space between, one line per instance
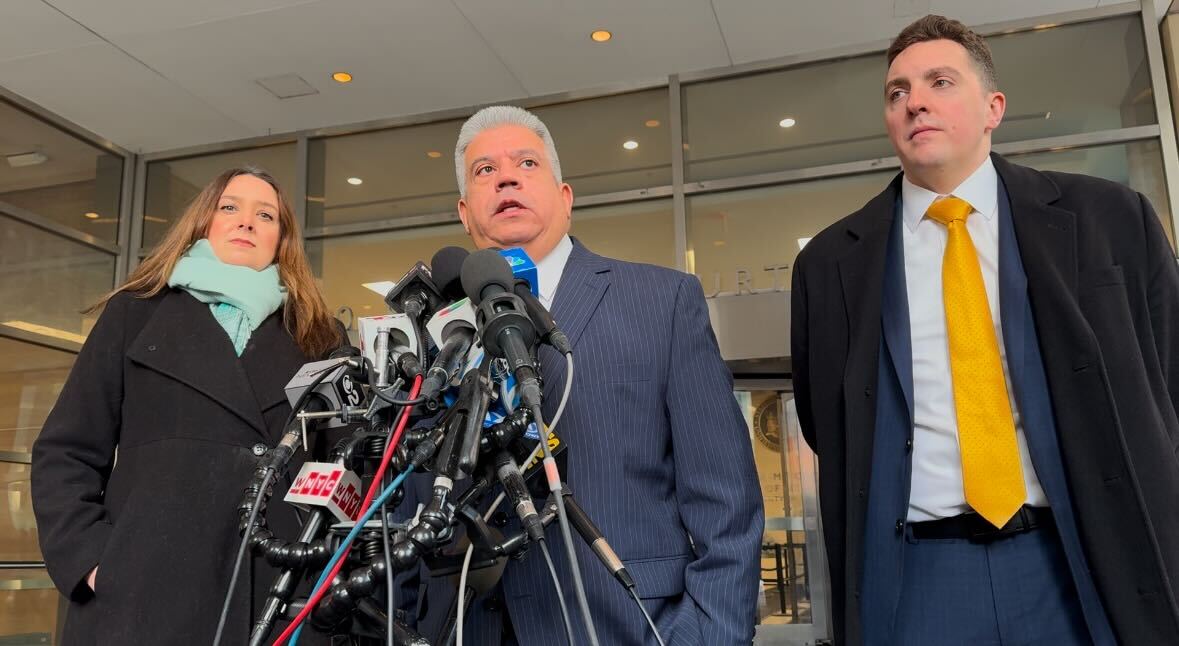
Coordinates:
1163 299
73 456
800 356
716 479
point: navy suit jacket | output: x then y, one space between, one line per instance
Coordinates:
659 457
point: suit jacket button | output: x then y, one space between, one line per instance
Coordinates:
900 526
909 444
151 348
258 449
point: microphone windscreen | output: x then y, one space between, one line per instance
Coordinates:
483 269
446 267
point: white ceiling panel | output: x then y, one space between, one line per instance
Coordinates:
547 44
30 27
418 56
111 17
105 91
972 12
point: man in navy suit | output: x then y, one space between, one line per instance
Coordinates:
1080 319
658 451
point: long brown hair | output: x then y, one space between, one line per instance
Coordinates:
305 314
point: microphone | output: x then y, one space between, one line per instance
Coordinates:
517 492
524 271
401 346
415 294
446 267
596 541
328 485
504 326
449 361
336 391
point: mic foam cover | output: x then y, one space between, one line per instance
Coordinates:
482 269
446 267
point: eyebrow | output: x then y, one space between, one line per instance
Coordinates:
238 199
515 154
929 75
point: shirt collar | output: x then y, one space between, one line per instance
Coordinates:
550 268
981 189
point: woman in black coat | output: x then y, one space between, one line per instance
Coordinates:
139 469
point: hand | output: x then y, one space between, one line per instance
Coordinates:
90 578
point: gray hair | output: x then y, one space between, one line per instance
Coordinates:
493 117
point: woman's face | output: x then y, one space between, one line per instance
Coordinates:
245 229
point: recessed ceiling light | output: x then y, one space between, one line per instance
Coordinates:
355 181
630 144
718 243
91 214
652 123
342 77
433 154
601 36
787 122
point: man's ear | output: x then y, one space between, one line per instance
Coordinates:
462 209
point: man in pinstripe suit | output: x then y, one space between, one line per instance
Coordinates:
659 454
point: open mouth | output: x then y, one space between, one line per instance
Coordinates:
508 207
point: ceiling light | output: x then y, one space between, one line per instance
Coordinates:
652 123
342 77
601 36
433 154
630 144
787 122
91 214
718 243
355 181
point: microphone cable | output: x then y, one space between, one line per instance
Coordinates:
270 473
499 499
294 628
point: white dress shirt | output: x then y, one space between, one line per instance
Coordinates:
937 490
549 270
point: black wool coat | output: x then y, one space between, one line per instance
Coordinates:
1104 291
141 465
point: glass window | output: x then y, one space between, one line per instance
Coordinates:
30 605
636 231
1138 164
48 280
401 172
344 264
172 184
18 528
831 112
751 230
58 176
31 377
592 140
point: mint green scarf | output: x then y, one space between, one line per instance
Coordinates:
239 297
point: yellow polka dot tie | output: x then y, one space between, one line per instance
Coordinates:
991 473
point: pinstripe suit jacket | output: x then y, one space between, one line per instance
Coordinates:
659 457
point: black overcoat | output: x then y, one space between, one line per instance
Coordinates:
158 380
1104 291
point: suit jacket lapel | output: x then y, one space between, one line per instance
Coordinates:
584 282
1012 293
895 309
183 341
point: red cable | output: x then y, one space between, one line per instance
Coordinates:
390 446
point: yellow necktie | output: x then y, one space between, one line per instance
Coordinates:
991 471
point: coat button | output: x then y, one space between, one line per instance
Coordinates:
151 348
900 526
861 492
258 449
868 391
